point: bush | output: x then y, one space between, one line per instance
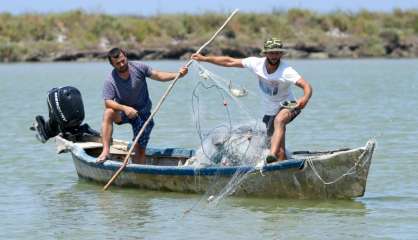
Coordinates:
79 31
11 52
372 47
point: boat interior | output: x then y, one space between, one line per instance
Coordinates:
119 149
162 156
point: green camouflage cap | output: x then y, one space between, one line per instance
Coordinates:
273 45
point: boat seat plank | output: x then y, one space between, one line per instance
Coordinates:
114 149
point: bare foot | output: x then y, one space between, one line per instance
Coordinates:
104 156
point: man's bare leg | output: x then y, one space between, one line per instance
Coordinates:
278 139
109 116
139 157
282 149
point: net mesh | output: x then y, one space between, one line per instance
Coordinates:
235 138
229 133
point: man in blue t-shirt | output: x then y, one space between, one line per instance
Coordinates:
127 100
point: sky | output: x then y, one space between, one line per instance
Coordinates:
153 7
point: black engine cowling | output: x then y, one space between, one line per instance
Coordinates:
65 107
66 113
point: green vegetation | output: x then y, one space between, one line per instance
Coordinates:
363 34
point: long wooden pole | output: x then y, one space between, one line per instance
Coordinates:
125 161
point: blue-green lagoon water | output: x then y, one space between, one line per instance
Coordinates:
41 196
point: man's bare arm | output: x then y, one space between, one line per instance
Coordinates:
167 76
307 92
129 111
224 61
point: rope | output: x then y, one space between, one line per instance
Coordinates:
349 172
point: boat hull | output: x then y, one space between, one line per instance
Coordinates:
339 175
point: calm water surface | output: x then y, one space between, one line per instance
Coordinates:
41 196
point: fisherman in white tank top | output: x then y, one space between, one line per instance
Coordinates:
275 78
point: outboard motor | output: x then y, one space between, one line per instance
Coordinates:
66 113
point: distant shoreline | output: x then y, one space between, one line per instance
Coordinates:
79 36
185 53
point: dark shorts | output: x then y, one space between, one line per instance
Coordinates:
137 124
269 120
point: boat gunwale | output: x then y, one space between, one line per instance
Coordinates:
81 155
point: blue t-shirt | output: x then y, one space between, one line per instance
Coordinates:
133 91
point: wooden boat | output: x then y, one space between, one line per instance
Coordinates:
309 175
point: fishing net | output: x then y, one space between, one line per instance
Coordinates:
229 133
